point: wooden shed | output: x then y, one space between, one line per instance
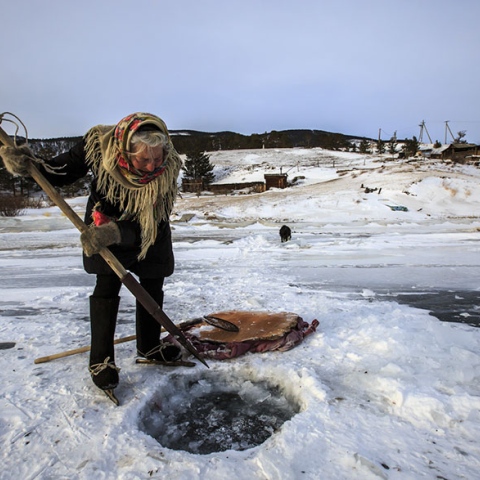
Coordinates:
275 180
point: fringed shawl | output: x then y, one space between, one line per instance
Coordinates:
147 203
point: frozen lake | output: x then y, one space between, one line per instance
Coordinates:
435 271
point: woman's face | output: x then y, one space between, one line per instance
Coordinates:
146 159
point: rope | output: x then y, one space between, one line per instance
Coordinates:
97 368
160 349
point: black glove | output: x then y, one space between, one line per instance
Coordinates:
95 238
16 159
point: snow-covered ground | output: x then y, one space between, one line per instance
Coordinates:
382 389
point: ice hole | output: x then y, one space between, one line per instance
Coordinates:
213 414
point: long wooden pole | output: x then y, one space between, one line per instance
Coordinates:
150 305
68 353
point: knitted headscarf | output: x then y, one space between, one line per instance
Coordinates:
147 199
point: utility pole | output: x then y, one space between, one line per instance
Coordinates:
448 128
422 128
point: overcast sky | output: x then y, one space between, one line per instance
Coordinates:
350 66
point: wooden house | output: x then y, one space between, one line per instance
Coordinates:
275 180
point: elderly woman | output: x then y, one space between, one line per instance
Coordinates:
134 184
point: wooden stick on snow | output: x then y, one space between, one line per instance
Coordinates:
48 358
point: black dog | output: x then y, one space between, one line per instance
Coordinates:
285 233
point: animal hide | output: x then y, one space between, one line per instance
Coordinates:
257 332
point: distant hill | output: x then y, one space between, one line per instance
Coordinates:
192 140
186 140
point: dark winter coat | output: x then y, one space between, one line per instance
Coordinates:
159 261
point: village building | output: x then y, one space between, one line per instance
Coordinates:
272 180
456 152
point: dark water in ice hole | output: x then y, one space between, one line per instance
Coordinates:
217 416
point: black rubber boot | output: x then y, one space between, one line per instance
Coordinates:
148 331
103 319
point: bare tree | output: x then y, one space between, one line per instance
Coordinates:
461 137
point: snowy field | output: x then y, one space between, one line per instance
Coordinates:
383 389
